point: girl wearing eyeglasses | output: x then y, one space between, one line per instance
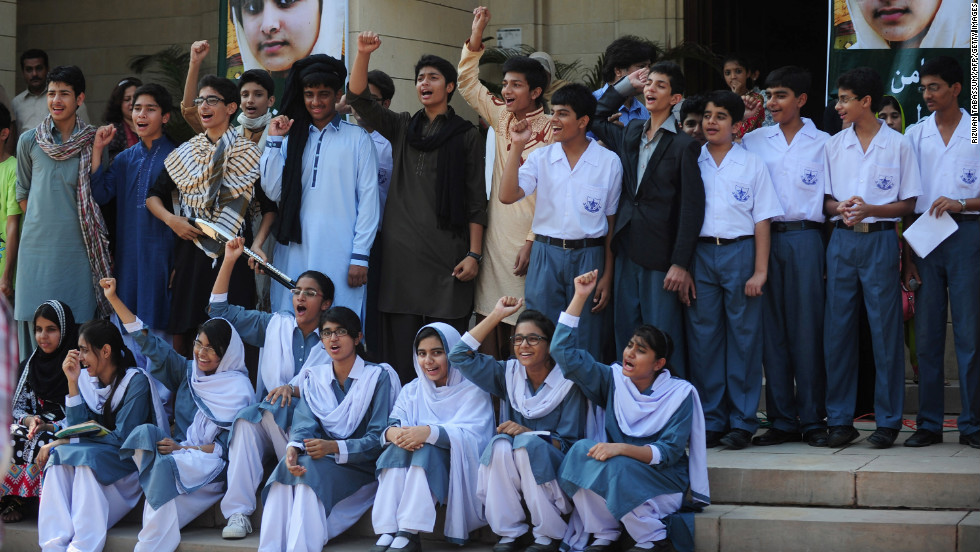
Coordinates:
290 341
182 476
88 486
542 415
327 481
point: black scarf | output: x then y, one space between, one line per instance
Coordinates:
287 227
45 375
451 168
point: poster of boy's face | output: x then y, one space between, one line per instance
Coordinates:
273 34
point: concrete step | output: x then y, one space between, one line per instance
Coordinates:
943 476
731 528
720 528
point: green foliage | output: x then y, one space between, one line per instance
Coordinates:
168 67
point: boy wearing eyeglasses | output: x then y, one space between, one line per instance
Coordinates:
872 179
290 341
949 165
211 177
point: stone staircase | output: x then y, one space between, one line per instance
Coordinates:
785 498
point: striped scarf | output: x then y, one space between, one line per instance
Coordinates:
215 182
94 233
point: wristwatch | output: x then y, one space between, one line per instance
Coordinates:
476 256
962 204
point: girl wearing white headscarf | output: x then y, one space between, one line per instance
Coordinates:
87 486
947 27
438 427
326 481
542 415
642 473
183 479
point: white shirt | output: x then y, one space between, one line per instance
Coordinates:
796 168
887 172
30 110
951 170
737 194
385 166
572 203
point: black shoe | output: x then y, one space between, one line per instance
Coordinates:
841 435
505 546
380 548
550 547
816 437
658 546
600 547
414 542
923 438
776 437
972 439
883 437
736 439
712 439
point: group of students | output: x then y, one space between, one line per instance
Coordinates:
708 256
344 435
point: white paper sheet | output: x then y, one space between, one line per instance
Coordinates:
926 233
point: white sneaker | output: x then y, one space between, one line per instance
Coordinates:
238 527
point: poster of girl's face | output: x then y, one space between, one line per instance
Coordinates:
273 34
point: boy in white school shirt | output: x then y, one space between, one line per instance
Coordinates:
731 265
949 165
872 179
792 322
578 184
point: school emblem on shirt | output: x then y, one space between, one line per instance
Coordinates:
968 176
592 204
741 194
809 177
885 182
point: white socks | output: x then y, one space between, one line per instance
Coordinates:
385 539
401 542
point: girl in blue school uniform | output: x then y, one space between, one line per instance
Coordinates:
433 440
183 477
640 475
731 264
327 479
290 343
542 415
88 486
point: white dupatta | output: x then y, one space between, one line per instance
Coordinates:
219 397
551 393
639 415
341 419
465 412
95 396
276 364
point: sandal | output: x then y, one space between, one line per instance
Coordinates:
11 512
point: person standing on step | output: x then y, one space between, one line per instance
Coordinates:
949 275
792 320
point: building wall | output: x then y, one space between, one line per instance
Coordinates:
101 36
8 45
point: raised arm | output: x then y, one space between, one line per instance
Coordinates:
592 377
476 95
199 51
510 189
385 121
